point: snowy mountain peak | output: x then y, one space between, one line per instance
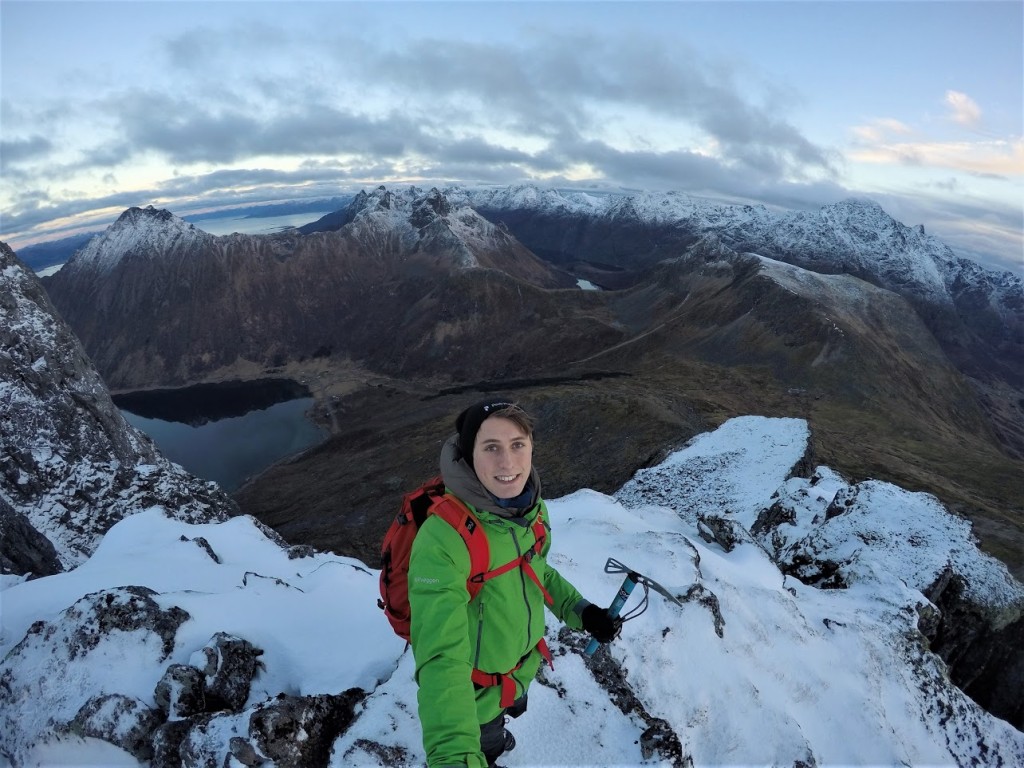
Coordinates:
425 221
141 232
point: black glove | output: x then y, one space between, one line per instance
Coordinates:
598 623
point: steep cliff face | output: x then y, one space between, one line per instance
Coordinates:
69 463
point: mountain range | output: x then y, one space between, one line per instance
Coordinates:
906 360
847 616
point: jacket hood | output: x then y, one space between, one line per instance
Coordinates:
461 479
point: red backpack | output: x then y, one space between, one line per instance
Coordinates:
431 499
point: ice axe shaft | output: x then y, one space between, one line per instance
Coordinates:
616 607
632 579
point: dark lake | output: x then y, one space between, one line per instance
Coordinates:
225 432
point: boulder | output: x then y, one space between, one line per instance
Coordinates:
181 692
23 549
123 721
229 664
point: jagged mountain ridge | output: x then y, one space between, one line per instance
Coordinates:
153 311
391 292
854 236
838 532
70 465
976 314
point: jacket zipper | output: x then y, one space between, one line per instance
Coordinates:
479 634
522 581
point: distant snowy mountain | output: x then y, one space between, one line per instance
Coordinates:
214 644
70 465
157 301
855 236
976 314
142 233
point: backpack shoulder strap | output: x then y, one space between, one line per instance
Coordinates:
454 512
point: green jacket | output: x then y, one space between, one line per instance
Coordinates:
452 635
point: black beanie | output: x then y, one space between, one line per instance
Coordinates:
469 421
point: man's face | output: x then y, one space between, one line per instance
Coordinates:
502 457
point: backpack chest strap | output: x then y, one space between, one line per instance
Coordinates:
523 562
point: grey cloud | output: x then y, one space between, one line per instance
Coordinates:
17 151
186 131
561 84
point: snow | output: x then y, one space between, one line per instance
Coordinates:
141 232
855 236
791 672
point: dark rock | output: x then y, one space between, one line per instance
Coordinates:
702 596
121 720
844 499
983 648
166 743
772 517
181 692
23 549
299 732
300 551
204 545
230 664
719 530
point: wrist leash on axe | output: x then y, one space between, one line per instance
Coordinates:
632 579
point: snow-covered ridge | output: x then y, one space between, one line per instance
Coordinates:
425 218
755 667
855 236
144 232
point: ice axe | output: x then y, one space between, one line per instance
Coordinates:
632 579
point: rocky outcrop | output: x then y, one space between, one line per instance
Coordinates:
69 463
983 646
48 684
974 615
23 549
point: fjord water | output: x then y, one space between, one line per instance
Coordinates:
225 432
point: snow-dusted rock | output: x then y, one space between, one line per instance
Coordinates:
123 721
69 462
141 233
181 692
228 663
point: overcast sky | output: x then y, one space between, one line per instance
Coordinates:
192 105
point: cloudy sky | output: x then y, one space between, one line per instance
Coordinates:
197 105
